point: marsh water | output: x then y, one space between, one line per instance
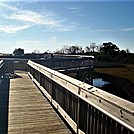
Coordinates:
99 82
109 84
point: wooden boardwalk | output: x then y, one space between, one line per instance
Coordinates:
29 110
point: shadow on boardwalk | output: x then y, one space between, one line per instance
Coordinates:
4 100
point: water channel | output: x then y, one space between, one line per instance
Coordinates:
103 81
109 84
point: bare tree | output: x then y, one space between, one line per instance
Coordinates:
98 47
127 50
93 46
36 51
70 49
87 49
80 49
75 49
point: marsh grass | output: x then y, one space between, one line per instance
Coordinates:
122 73
125 71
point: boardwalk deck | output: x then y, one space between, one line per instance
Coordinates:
29 110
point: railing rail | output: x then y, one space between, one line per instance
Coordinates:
81 66
87 109
1 69
62 62
15 64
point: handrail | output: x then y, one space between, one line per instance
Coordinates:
1 63
66 63
113 107
1 69
73 56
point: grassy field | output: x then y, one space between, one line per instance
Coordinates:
125 72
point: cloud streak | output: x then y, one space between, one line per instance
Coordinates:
13 8
49 22
12 29
76 10
129 29
33 17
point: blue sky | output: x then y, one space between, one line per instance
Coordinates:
44 25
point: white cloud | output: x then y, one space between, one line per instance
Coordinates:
64 27
127 29
8 7
53 38
75 8
105 30
77 11
12 29
33 17
102 30
47 20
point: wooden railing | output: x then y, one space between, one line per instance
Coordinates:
1 69
67 62
12 64
81 66
86 109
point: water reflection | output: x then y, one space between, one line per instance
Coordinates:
110 84
98 82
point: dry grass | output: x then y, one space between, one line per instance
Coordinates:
126 72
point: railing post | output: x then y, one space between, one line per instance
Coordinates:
78 114
40 79
88 115
91 74
99 118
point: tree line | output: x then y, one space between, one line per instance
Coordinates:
103 52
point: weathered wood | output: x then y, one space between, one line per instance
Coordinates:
29 110
112 107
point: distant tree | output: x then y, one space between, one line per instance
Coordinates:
57 51
98 47
108 52
18 52
36 51
123 52
60 51
93 46
109 49
90 48
87 49
65 49
72 49
80 49
127 50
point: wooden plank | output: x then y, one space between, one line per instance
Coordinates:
29 110
118 109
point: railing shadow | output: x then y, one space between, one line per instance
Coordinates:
4 101
12 75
